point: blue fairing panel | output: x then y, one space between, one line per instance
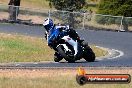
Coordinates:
53 35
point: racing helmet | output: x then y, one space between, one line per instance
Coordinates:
48 24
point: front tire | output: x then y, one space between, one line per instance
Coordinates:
66 57
57 57
89 55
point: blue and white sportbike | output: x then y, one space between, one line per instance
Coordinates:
69 48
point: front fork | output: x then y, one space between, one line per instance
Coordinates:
80 52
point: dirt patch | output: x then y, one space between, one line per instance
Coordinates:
54 78
31 18
57 72
4 15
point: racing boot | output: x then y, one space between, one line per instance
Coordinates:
57 57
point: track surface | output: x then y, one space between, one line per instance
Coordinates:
114 40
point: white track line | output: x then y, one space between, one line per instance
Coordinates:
110 53
121 53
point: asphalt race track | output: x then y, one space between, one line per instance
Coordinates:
121 41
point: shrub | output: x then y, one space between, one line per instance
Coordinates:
116 7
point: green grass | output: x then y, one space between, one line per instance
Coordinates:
18 48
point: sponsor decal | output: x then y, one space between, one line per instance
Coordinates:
83 78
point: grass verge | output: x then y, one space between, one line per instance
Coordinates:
19 48
60 78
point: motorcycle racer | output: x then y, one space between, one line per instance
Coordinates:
53 32
66 43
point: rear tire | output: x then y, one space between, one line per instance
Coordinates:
89 55
62 53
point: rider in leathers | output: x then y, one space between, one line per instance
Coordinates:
52 32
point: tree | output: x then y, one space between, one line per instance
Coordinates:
13 9
68 5
116 7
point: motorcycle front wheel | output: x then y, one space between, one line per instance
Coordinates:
89 55
63 54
